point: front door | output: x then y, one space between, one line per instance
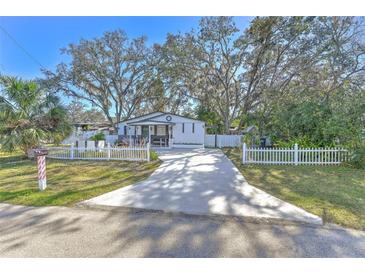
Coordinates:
145 132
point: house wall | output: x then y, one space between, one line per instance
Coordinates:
188 136
122 124
180 137
130 129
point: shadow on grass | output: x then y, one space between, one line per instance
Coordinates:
68 182
333 192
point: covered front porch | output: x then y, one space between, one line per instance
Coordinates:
157 134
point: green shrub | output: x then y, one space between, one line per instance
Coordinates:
357 157
98 137
251 138
153 155
303 142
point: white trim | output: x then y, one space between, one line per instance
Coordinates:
142 117
151 116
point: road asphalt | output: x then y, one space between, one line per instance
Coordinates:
126 232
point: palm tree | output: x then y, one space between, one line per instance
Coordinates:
29 115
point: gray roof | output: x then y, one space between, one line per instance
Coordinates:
150 122
158 114
249 129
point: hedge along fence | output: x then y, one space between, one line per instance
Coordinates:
130 153
294 156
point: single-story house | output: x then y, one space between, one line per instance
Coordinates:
164 130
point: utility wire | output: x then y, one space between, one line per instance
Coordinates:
21 47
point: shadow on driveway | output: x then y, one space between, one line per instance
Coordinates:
202 181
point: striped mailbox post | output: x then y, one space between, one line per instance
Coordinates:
41 161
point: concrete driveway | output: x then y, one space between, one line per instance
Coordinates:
204 182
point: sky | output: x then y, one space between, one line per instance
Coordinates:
43 37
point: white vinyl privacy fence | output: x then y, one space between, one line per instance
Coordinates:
294 156
111 139
130 153
212 140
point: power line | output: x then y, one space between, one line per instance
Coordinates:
21 47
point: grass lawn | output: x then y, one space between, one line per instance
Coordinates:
68 182
7 157
336 193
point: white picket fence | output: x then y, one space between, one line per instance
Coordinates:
294 156
223 140
130 153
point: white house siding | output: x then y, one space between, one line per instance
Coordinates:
121 128
186 137
130 129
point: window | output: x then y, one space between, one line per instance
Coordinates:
125 130
183 127
193 128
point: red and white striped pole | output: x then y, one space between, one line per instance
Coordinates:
41 160
42 180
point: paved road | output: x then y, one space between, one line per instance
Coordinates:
202 181
74 232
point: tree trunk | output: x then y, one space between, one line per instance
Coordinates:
241 124
227 124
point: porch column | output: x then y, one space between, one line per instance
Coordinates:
130 136
171 140
149 134
135 135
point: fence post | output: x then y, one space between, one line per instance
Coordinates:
108 151
244 153
296 154
72 152
148 151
